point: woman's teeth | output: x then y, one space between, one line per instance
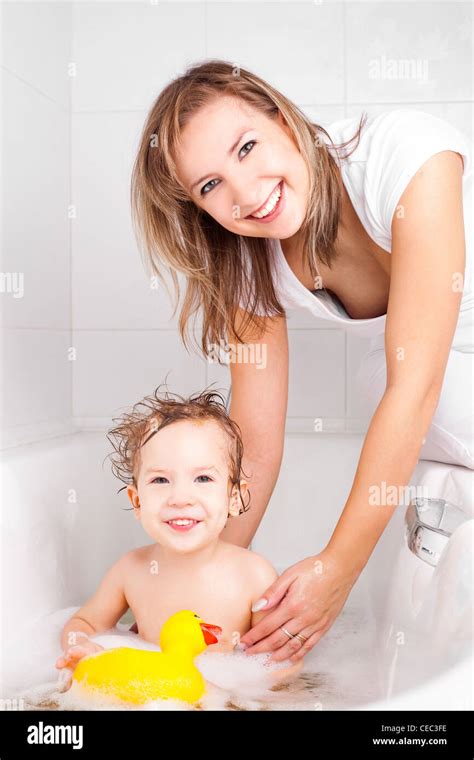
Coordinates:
270 204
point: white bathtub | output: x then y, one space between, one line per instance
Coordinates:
403 641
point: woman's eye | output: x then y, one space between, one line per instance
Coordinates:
251 142
207 183
203 189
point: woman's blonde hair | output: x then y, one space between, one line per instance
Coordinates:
178 233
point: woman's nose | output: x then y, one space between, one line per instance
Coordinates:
246 196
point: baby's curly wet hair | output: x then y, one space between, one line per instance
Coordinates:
155 412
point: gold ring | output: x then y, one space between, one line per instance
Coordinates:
301 637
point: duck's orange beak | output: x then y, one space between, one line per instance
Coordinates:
211 633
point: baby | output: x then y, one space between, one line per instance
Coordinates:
182 461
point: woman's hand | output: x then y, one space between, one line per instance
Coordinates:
305 599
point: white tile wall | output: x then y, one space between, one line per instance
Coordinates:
112 289
298 47
36 371
315 479
35 206
116 368
37 375
408 52
36 47
126 52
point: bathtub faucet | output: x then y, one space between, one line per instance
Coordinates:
429 524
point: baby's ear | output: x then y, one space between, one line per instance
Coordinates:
234 506
236 498
244 490
133 496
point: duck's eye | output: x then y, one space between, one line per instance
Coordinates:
196 616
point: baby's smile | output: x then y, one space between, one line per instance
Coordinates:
182 524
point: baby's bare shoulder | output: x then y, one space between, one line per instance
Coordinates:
135 559
259 569
262 569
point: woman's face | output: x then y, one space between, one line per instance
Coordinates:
233 161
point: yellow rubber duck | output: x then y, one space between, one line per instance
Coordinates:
139 676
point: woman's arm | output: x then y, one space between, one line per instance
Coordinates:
428 261
386 463
258 404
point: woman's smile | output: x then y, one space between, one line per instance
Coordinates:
272 207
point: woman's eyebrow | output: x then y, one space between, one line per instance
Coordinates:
229 153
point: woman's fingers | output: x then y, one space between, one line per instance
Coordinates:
268 644
276 591
276 642
256 640
275 637
275 594
311 604
309 644
292 646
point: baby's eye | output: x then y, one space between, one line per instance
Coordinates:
160 477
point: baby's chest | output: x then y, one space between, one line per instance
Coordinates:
224 604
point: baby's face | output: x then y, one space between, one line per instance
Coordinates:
184 475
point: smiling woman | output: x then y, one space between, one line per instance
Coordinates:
217 148
263 211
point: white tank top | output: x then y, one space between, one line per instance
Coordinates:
392 147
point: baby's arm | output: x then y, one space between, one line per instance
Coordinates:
265 575
99 613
